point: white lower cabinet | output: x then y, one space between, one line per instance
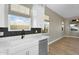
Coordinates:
2 53
31 49
34 50
23 52
27 46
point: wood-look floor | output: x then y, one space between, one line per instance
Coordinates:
65 46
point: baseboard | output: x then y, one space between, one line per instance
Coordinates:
55 40
60 38
72 36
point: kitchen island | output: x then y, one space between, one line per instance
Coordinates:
14 45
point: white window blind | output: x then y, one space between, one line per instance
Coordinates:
46 17
20 9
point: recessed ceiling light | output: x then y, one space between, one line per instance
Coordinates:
77 20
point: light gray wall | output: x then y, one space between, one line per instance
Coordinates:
3 15
67 28
55 29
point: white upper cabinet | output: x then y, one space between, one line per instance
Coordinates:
37 16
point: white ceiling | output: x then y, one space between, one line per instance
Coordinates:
65 10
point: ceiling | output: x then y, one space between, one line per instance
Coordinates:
65 10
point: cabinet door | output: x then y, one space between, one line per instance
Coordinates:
2 53
33 50
24 52
38 13
20 50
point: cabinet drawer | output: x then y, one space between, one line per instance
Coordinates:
3 53
17 49
34 50
22 52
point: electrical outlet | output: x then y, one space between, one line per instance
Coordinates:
1 33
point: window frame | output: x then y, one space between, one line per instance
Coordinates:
17 14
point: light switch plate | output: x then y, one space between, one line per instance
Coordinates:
1 33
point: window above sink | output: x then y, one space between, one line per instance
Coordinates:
19 18
18 23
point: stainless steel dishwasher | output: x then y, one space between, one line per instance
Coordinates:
43 47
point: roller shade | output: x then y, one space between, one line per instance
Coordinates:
20 9
46 17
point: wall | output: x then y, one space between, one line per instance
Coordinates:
67 28
3 15
55 30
